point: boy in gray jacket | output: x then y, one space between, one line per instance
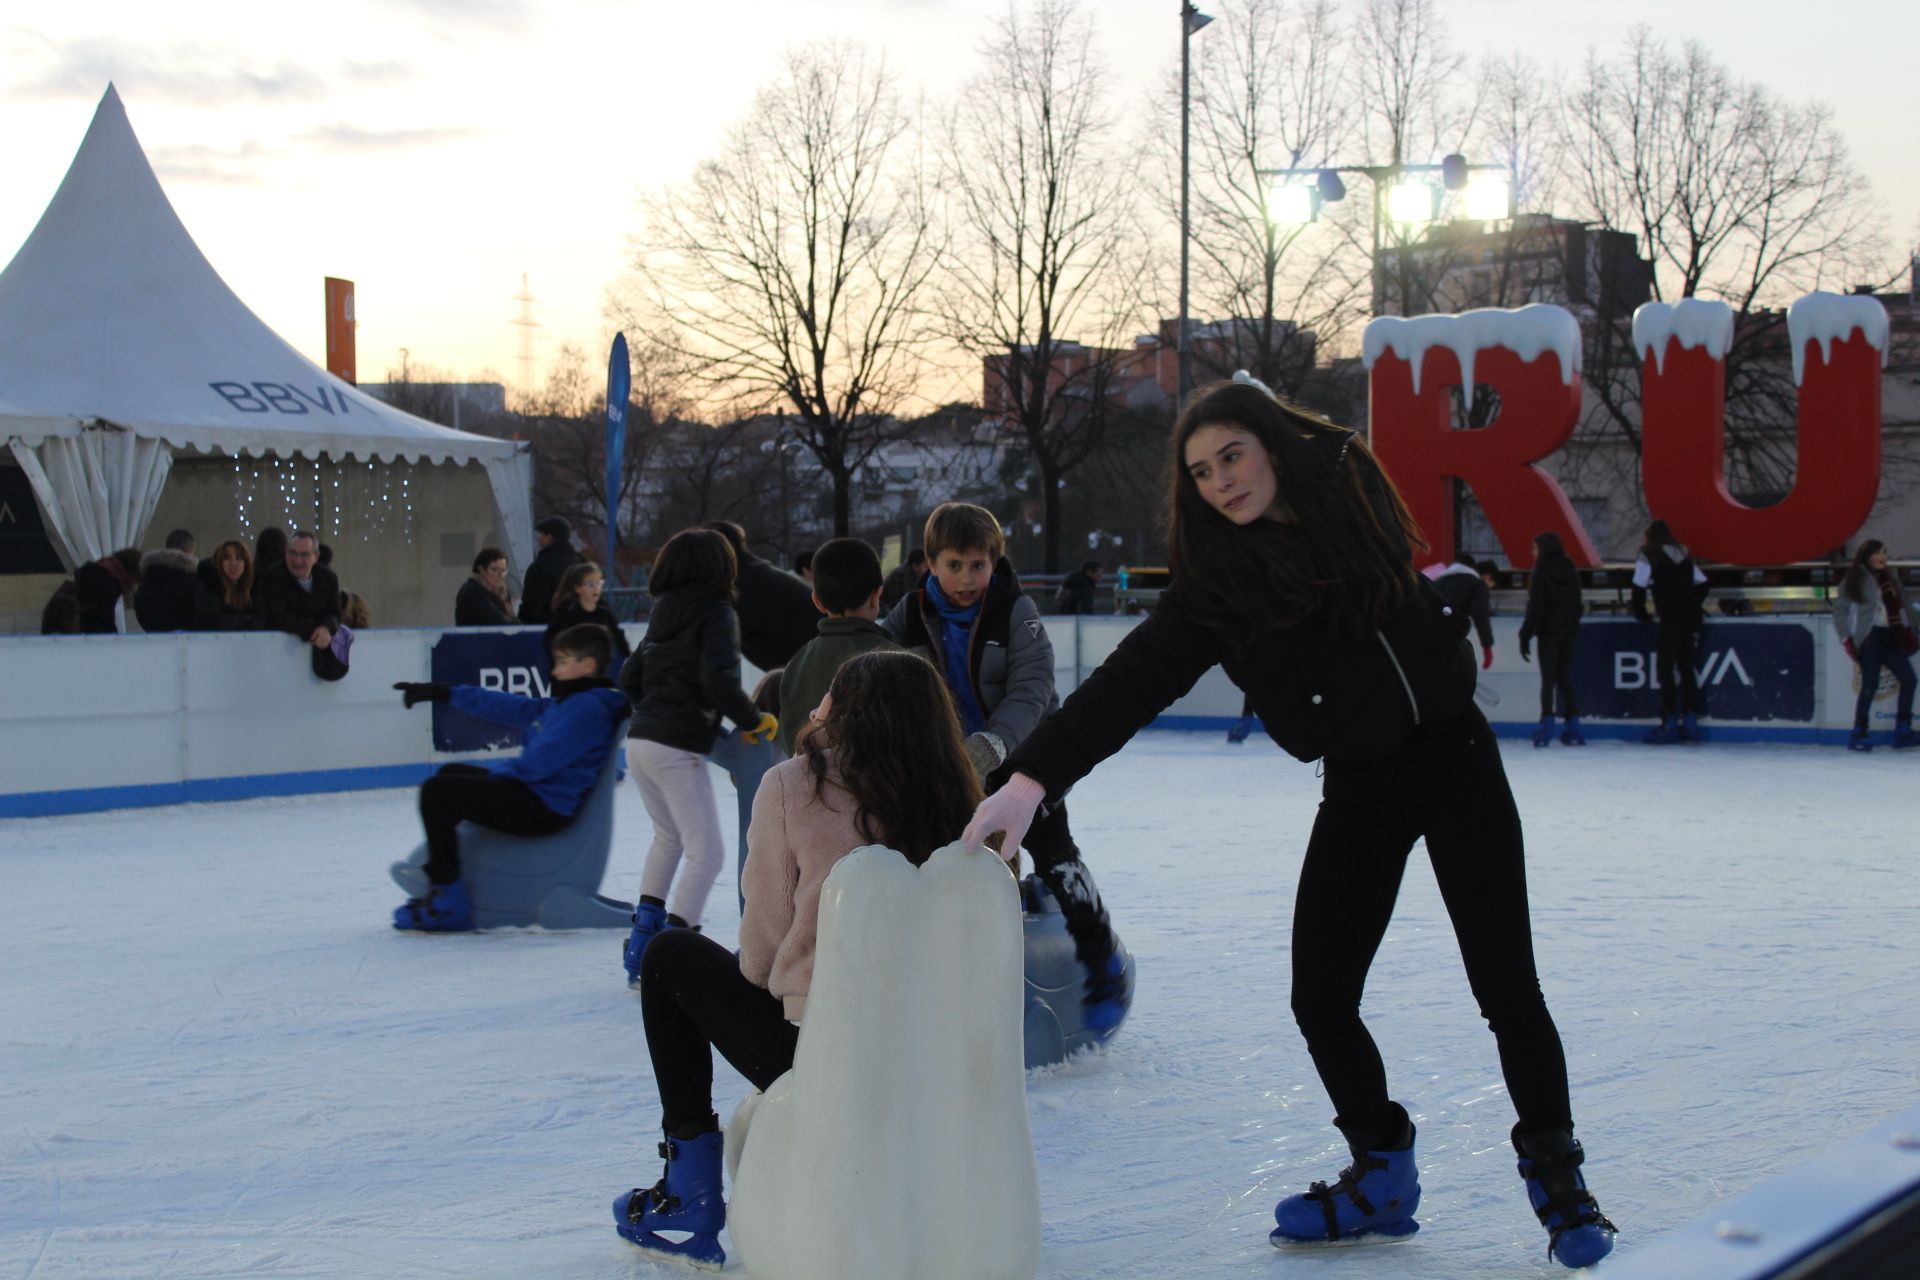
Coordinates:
970 619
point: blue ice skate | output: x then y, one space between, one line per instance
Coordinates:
1860 741
649 918
1108 994
1904 737
686 1200
1578 1234
1571 735
1543 734
1376 1195
446 909
1241 728
1661 733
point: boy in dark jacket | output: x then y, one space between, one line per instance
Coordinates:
1553 614
846 587
535 793
969 617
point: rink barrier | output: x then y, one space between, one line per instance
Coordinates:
1851 1213
106 722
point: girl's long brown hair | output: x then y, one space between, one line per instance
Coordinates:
237 594
1355 562
568 592
1860 573
898 749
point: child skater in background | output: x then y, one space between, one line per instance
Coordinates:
683 678
577 603
881 763
1289 551
968 616
846 588
535 793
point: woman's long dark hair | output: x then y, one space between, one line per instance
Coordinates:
568 592
236 593
695 557
898 749
1240 578
1859 573
1658 535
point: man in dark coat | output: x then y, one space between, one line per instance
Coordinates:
299 597
164 599
776 608
1077 588
1553 614
543 575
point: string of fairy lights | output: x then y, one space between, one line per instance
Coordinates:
334 499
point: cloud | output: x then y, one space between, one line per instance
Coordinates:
214 166
341 139
197 74
513 15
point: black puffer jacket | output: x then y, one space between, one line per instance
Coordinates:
776 613
285 605
1553 600
543 579
164 599
686 673
475 606
570 614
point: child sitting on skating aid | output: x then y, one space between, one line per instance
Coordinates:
535 793
968 616
882 763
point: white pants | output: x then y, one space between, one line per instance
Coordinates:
686 826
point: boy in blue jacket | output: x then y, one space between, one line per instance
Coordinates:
535 793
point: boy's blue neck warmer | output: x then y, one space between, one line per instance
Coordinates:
956 635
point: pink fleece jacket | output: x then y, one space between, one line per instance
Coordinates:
792 843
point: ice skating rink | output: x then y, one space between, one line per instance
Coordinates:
217 1059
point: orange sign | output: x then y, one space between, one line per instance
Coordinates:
340 357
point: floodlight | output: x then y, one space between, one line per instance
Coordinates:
1294 206
1331 187
1409 202
1453 172
1489 199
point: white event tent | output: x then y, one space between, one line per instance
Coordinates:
122 350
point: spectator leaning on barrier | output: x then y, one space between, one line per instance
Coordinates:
100 586
483 600
1876 628
299 597
1077 588
164 600
543 575
776 609
904 578
229 602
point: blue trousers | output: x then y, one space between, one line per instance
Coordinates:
1880 651
748 763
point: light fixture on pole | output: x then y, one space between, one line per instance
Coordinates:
1191 20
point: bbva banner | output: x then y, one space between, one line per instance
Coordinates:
1745 672
509 661
1531 358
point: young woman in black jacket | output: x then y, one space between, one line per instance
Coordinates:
683 678
1553 615
577 602
1290 552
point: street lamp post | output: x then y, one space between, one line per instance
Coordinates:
1191 20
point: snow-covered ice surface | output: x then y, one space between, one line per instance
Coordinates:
216 1059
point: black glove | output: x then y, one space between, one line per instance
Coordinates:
1641 615
411 693
1525 654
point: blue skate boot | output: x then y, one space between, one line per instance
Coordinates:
1571 735
1662 733
1241 728
1904 736
1108 994
1860 741
1376 1195
649 918
447 909
686 1200
1543 735
1689 728
1578 1234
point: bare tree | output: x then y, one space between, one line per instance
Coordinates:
1266 95
1049 250
785 273
1735 194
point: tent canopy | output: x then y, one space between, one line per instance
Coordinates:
112 323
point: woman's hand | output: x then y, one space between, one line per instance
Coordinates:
1011 810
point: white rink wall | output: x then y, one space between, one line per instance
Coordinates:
101 722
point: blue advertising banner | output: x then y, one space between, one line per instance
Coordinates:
512 662
619 378
1744 672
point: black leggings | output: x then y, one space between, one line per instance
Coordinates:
1674 650
1447 784
1056 860
1556 672
468 793
694 999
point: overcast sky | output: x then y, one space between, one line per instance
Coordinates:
433 150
